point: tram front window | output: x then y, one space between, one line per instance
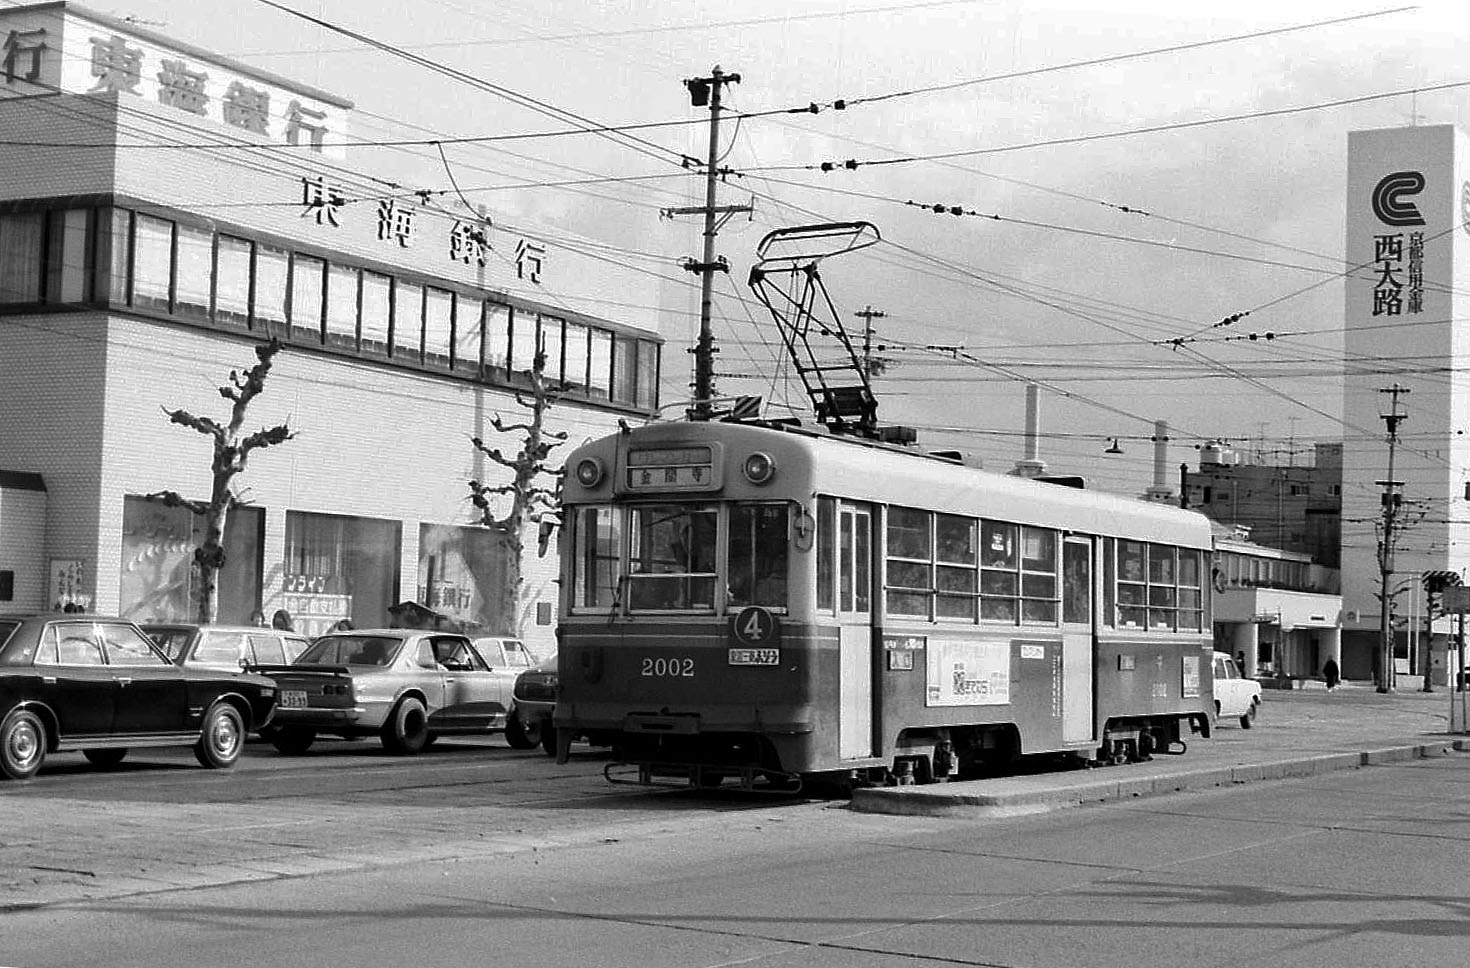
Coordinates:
758 555
671 558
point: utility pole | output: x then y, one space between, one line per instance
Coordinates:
867 314
706 91
1392 498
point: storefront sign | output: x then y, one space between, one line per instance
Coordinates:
67 590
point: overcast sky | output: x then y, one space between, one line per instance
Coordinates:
1068 289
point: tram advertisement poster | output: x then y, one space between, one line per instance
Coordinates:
968 673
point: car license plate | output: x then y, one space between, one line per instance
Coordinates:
293 699
755 657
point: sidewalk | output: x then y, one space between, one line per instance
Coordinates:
1298 733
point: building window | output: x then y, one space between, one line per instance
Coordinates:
522 341
69 257
339 567
193 277
553 344
7 585
574 367
408 321
599 364
342 306
647 381
497 336
438 326
468 318
308 298
272 269
462 575
20 257
115 265
153 260
625 369
232 281
377 293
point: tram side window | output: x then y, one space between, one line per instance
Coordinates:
1162 598
998 579
598 541
1191 597
826 552
908 582
1039 576
1132 585
955 567
672 558
758 555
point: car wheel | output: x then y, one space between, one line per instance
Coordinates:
407 728
1248 718
106 759
222 738
520 735
292 740
22 744
548 740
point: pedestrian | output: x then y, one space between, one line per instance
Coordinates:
1331 673
282 621
342 625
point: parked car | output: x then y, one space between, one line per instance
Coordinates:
101 686
225 647
535 701
406 686
1235 696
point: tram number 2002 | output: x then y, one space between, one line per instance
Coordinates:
662 668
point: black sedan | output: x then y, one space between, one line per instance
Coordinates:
99 685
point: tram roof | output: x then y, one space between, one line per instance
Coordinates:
870 471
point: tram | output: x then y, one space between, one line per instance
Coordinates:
773 603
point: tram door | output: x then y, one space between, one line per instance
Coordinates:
855 618
1077 639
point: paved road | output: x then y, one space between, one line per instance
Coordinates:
162 823
1355 869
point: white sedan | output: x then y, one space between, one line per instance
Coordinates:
1235 696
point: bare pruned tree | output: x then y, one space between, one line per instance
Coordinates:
232 449
534 489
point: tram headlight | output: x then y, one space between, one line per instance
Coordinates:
589 472
759 468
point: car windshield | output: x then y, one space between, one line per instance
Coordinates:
373 650
170 640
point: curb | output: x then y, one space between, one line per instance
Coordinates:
1013 796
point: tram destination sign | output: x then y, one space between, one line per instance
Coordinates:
672 469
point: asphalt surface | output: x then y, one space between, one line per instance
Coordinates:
1302 733
63 842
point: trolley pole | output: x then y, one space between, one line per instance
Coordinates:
702 91
1392 498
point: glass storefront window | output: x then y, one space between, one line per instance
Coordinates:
158 580
339 567
462 574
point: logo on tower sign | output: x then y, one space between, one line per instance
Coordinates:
1388 203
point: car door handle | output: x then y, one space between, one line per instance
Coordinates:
449 678
123 680
48 680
